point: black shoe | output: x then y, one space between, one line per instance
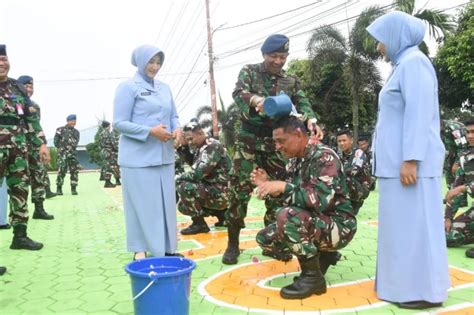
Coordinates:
328 258
232 251
40 213
49 193
73 190
5 226
108 184
173 255
2 270
418 305
59 191
311 281
117 182
220 215
285 257
470 253
25 243
22 241
198 226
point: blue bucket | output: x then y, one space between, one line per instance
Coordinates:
161 285
275 106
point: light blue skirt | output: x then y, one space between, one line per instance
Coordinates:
412 258
149 201
3 202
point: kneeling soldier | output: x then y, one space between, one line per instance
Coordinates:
317 217
203 190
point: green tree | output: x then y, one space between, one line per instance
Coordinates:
455 67
345 78
93 149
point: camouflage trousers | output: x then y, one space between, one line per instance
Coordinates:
38 176
303 234
252 152
111 166
66 162
196 199
14 167
462 230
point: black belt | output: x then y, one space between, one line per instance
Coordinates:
258 131
11 121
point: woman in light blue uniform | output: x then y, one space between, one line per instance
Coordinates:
145 115
412 264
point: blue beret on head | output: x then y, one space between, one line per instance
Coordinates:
71 117
105 123
3 50
275 43
25 79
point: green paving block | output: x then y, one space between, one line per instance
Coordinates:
466 294
71 285
64 295
36 306
123 307
120 294
66 305
96 301
67 278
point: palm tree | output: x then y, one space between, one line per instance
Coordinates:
351 64
439 23
227 118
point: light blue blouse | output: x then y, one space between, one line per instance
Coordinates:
139 106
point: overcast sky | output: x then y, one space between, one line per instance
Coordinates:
79 50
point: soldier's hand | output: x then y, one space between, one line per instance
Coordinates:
44 154
272 188
178 135
447 225
408 173
160 132
454 192
258 176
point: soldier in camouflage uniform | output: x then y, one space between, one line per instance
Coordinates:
66 140
254 146
37 169
109 152
16 121
317 214
460 230
357 169
364 144
453 134
203 190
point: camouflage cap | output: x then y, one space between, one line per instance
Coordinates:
192 125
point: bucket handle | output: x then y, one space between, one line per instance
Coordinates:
144 289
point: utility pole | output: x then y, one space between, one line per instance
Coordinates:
215 127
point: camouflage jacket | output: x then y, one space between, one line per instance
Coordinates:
358 173
108 141
16 106
453 134
464 176
66 139
211 164
317 183
255 80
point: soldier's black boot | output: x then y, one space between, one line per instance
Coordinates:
285 257
328 258
232 251
49 193
220 215
470 253
198 226
311 280
59 190
73 190
40 213
2 270
118 182
22 241
108 184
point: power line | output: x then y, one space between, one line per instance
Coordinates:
269 17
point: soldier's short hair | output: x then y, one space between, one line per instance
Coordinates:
344 132
469 122
290 123
192 126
